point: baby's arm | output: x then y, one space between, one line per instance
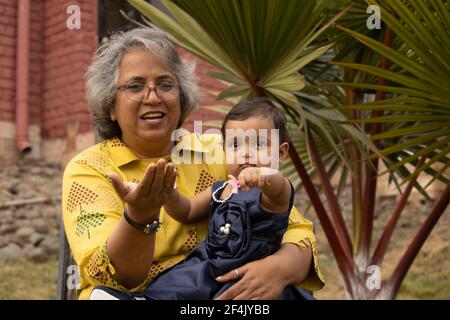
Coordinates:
275 188
189 210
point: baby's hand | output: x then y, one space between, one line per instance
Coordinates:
252 177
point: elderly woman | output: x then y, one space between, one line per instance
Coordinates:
140 91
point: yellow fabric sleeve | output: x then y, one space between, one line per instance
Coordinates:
300 232
91 210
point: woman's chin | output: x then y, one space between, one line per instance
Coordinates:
156 134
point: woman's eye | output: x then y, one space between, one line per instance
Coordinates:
135 87
166 86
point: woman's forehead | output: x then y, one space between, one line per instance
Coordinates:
145 65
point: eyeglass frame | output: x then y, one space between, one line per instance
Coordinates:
149 90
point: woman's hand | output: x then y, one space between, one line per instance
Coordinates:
267 278
259 280
145 199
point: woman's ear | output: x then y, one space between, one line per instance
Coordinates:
112 115
284 151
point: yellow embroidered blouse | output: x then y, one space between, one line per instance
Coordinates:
92 209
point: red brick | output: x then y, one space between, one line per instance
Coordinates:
8 73
6 94
8 10
7 105
8 21
7 83
7 51
7 61
9 30
6 40
6 116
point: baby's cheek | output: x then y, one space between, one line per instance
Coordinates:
265 157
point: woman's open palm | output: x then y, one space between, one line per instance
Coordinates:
148 196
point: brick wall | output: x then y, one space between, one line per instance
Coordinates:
58 112
8 13
8 26
36 56
67 56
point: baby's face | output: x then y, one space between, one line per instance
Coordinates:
251 142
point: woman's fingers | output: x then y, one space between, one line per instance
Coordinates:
167 179
168 175
171 189
173 179
147 180
246 295
232 275
232 292
159 177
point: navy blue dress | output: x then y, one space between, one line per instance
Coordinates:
253 235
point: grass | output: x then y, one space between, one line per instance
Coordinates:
25 280
429 276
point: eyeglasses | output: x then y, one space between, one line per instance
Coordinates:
138 91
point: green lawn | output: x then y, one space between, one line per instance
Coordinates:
28 280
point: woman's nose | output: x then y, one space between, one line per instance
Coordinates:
151 96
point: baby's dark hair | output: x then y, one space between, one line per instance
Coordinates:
258 107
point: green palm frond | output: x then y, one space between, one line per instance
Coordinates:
418 112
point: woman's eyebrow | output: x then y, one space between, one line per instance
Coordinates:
159 78
165 77
136 78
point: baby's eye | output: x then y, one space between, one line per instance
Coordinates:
234 144
261 143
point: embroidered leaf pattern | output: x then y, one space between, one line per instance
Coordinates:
87 220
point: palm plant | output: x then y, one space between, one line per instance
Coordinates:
261 45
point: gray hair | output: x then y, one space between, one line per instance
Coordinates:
103 73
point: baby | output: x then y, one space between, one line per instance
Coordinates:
248 213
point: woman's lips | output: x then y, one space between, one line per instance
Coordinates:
153 119
153 122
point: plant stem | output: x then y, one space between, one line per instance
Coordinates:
356 183
416 244
381 249
371 171
336 212
344 262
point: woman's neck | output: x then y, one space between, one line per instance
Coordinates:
147 150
